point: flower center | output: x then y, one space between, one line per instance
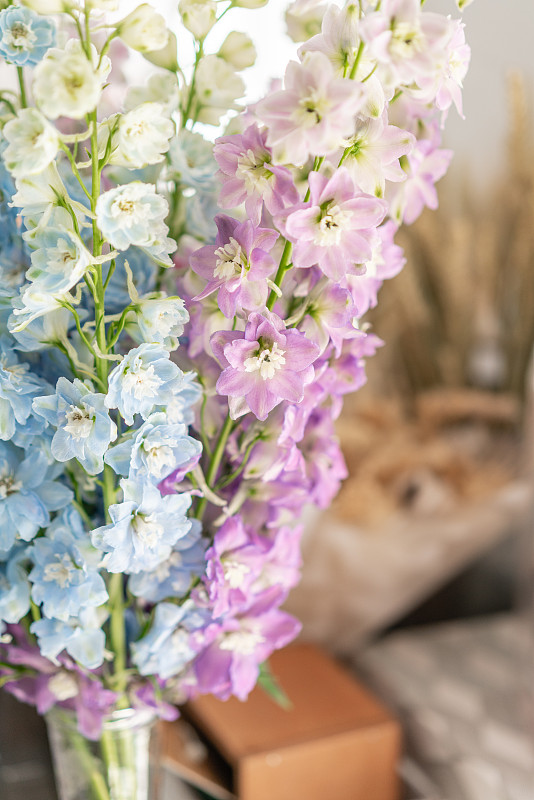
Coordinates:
62 571
268 361
147 529
79 422
17 371
8 485
242 642
63 686
235 573
251 169
141 381
20 35
231 260
158 458
311 109
60 258
332 223
406 40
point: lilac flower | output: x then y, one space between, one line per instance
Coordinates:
445 86
234 649
386 262
237 265
145 378
325 465
329 314
234 562
375 149
143 528
314 112
250 177
337 228
408 43
264 365
426 164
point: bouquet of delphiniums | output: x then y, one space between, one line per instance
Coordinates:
180 320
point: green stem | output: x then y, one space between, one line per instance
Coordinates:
282 269
89 763
357 60
187 111
215 462
23 98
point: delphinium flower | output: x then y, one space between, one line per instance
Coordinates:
143 528
151 504
339 224
312 114
237 266
263 365
155 450
84 429
144 378
134 214
251 176
18 386
28 493
25 36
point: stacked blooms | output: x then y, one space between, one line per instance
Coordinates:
149 505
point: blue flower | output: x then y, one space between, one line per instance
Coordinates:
172 578
145 378
82 638
135 214
144 273
155 450
166 649
62 580
18 387
143 528
25 36
180 408
84 428
192 162
28 493
14 587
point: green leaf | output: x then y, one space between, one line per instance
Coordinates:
269 683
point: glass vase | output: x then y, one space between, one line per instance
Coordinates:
121 765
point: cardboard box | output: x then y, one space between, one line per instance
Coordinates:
337 741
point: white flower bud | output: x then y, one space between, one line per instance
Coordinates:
216 88
144 29
238 50
167 57
102 5
49 6
463 3
250 3
33 143
198 16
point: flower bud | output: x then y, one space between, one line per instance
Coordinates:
250 3
198 16
144 30
48 6
238 50
167 57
